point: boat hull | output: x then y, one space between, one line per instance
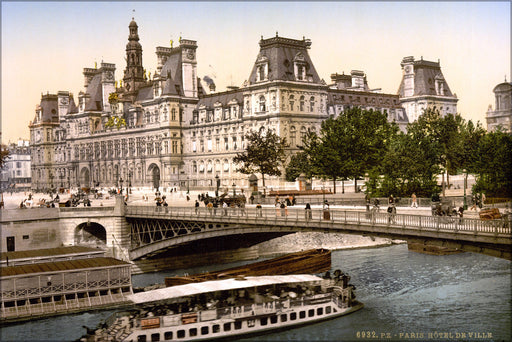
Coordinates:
245 326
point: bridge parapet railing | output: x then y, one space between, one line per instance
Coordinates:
278 216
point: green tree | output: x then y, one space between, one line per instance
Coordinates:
299 163
350 145
265 153
411 164
493 165
327 153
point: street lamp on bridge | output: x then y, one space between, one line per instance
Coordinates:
465 186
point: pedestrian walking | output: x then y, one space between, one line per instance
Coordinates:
196 207
259 210
307 212
414 203
225 208
210 207
326 213
391 213
283 207
461 214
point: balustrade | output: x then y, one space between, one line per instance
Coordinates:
191 220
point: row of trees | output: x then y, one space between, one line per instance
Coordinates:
363 144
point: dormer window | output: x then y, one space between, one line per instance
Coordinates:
261 73
262 69
299 67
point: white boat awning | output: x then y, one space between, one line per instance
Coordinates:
178 291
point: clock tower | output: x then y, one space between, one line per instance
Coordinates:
134 72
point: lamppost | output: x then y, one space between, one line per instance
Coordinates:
234 189
217 180
130 182
465 186
51 182
323 190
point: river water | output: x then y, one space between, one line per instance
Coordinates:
407 296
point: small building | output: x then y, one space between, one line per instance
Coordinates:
501 116
50 287
16 173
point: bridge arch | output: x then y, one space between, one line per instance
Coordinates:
90 233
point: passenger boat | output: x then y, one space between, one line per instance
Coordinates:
227 308
311 261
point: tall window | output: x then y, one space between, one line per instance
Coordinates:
302 133
173 114
301 103
174 147
226 144
293 136
300 72
311 104
262 103
261 72
291 99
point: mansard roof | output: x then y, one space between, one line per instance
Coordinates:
49 108
425 75
281 53
95 100
172 87
172 69
145 93
224 98
72 108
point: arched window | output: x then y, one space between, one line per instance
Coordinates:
302 103
312 104
262 103
291 99
302 133
293 136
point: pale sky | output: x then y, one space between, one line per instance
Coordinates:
46 45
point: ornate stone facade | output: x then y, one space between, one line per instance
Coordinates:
165 131
501 116
423 86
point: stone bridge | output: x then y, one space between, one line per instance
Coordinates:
140 232
38 228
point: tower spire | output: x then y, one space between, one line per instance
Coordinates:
134 72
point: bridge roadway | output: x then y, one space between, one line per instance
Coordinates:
154 229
